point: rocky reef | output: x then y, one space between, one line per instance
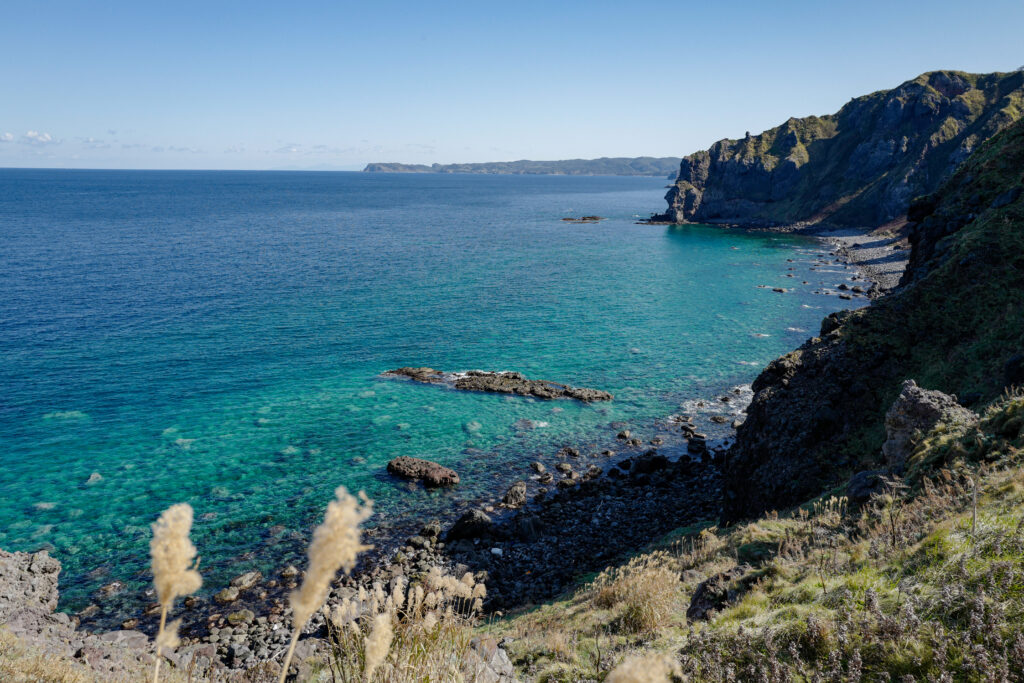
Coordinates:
501 383
956 325
859 167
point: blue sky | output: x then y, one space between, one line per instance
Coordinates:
337 84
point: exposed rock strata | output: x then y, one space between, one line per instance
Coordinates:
501 383
858 167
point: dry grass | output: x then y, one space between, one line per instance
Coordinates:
925 582
646 589
419 632
22 664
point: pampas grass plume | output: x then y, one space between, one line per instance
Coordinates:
173 554
336 545
174 573
378 644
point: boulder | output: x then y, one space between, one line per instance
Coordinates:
27 581
1013 371
430 473
718 592
515 497
914 413
864 484
486 662
246 580
472 524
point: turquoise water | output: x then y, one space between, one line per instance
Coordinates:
217 338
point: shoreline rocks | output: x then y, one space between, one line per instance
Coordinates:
430 473
500 383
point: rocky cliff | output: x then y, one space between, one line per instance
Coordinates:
859 167
956 325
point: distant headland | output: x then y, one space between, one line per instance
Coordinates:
640 166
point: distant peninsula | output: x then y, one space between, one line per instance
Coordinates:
640 166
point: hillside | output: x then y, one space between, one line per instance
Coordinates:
642 166
858 167
956 324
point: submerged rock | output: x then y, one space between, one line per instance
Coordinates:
501 383
430 473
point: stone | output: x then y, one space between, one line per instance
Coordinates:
228 595
487 662
472 524
717 592
247 580
538 467
289 572
242 616
515 497
430 473
914 413
564 467
864 484
27 581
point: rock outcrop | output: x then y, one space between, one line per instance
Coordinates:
859 167
501 383
430 473
914 413
955 324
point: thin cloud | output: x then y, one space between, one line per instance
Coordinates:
34 137
6 137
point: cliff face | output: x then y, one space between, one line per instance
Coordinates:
858 167
956 325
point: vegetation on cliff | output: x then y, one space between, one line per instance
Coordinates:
858 167
956 325
922 581
645 166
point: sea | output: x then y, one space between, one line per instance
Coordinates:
219 338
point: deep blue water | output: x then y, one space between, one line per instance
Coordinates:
217 338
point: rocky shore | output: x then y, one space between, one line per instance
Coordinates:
500 383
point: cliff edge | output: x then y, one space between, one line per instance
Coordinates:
859 167
956 325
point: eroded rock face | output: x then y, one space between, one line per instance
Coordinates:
858 167
914 414
501 383
27 581
430 473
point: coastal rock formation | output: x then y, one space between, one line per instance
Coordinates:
430 473
914 413
28 581
501 383
636 166
858 167
818 413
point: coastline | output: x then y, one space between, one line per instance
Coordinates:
606 510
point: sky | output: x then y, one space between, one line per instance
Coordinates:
335 85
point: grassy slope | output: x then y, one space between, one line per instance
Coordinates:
900 587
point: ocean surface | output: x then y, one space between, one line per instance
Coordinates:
218 338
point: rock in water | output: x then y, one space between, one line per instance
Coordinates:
915 413
430 473
501 383
515 497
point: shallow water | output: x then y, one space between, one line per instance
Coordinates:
217 338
